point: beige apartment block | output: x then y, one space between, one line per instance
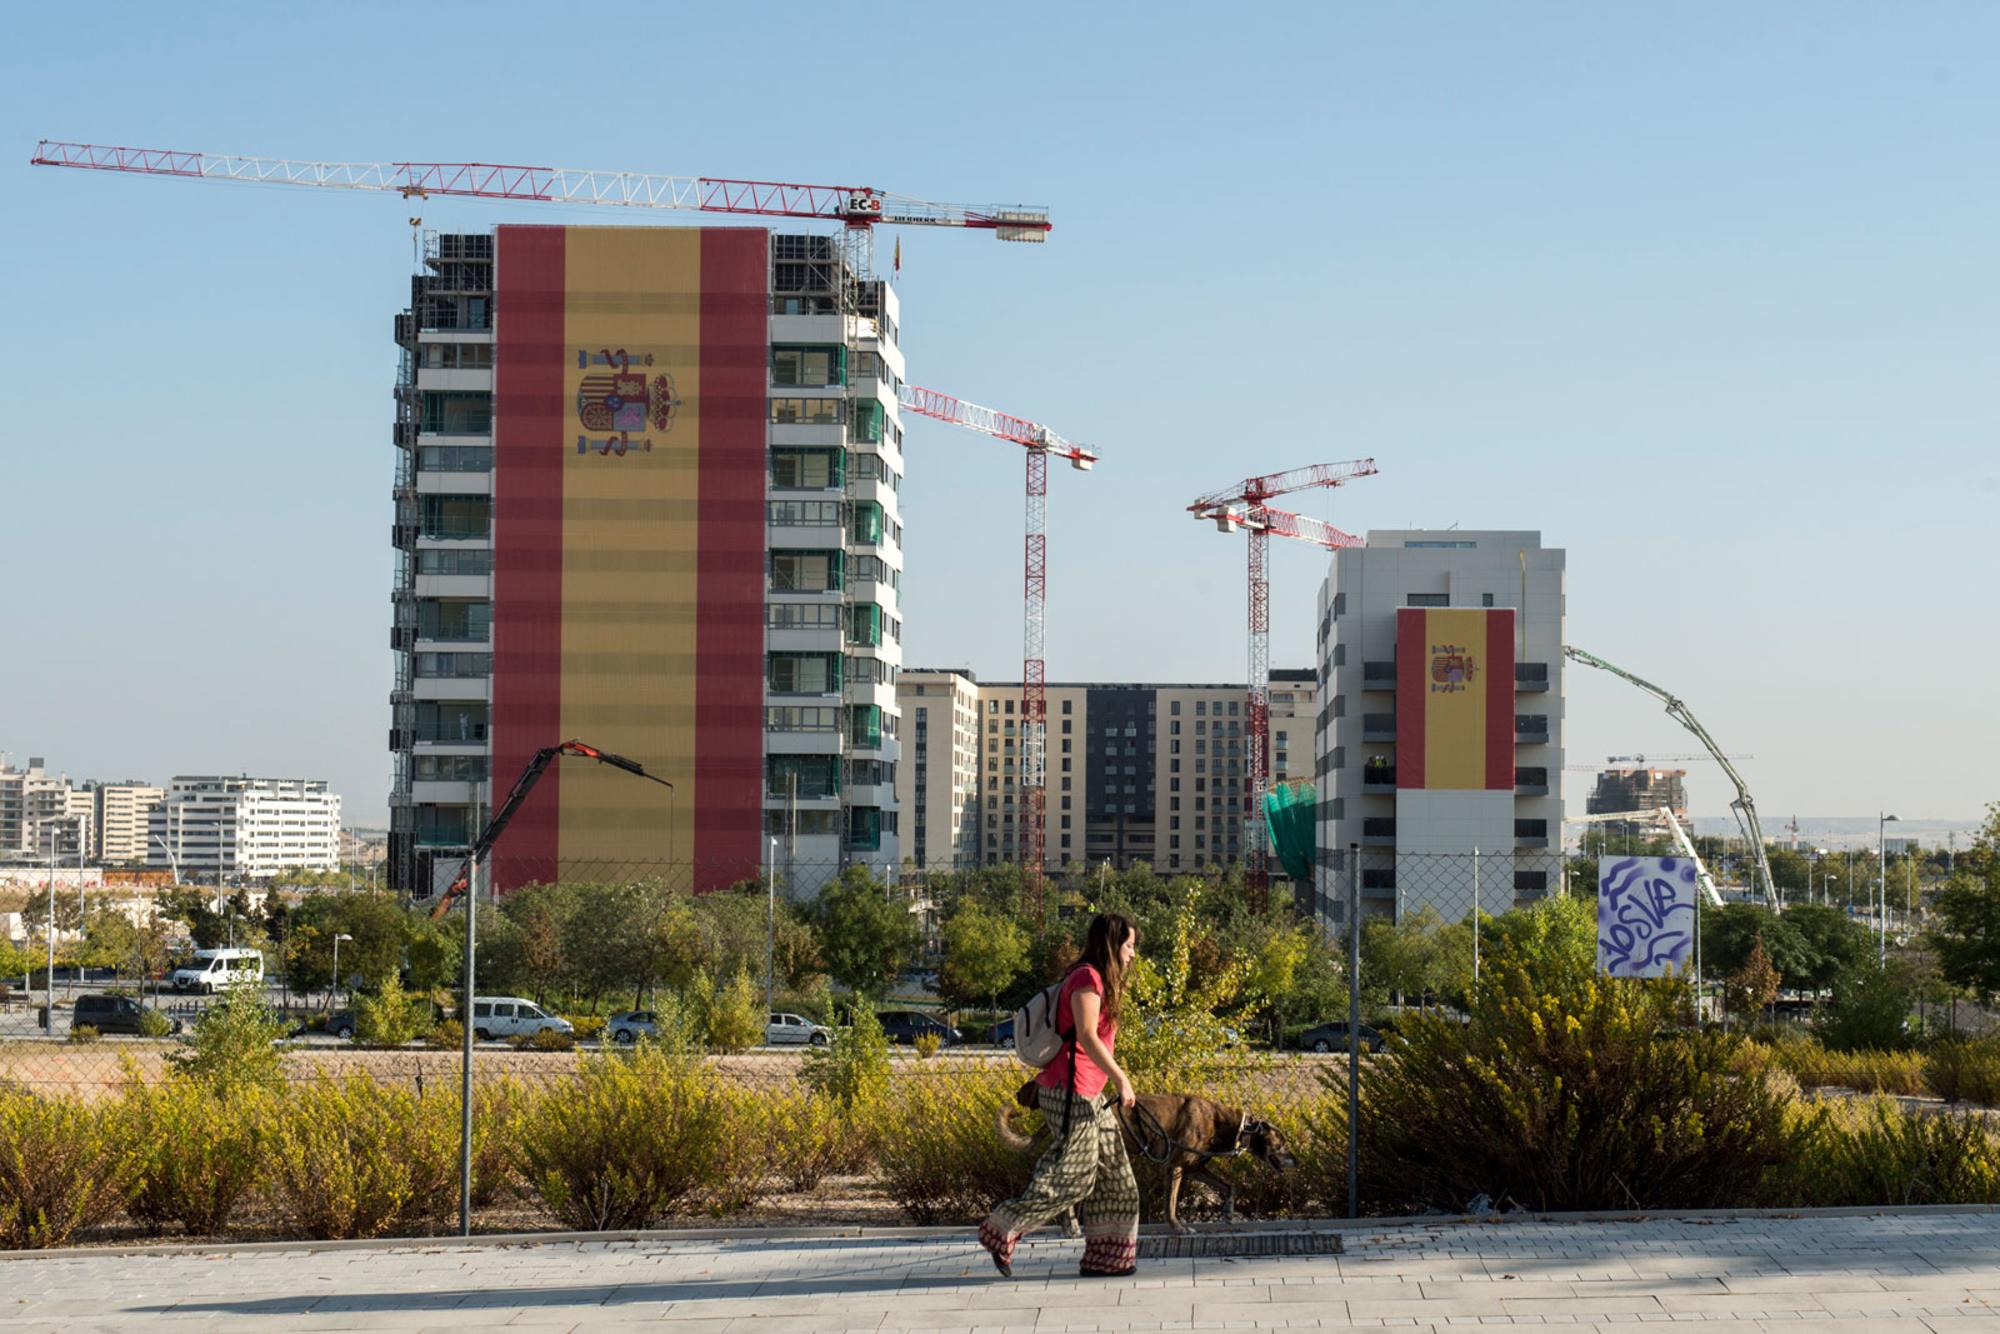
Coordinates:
122 813
937 784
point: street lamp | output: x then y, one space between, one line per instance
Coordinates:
172 861
340 936
1882 889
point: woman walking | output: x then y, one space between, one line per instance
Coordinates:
1085 1166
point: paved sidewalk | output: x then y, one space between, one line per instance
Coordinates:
1915 1270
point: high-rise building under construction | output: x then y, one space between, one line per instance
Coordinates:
646 496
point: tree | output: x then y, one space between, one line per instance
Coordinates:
866 936
1966 933
1753 986
732 1017
983 954
1555 940
1830 944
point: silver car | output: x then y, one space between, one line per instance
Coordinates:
795 1030
627 1028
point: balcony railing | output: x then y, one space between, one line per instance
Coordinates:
1378 675
1378 775
1378 727
1531 676
1531 782
1531 727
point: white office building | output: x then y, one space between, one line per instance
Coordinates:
246 828
1441 737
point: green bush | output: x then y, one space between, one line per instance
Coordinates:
936 1154
1816 1067
810 1139
356 1158
1869 1009
391 1017
543 1039
1867 1152
853 1068
1965 1070
731 1017
202 1153
927 1045
447 1035
233 1044
65 1166
83 1033
589 1027
153 1024
630 1139
1577 1100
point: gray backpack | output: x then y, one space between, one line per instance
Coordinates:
1036 1040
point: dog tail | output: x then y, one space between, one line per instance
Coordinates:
1003 1126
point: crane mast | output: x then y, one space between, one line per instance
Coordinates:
1245 506
1743 807
1040 443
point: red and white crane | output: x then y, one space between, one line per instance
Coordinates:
854 206
1243 506
1041 443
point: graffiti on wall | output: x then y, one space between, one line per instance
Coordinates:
1645 916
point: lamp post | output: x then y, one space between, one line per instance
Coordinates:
172 861
338 937
49 979
1882 889
771 937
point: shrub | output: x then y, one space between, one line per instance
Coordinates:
391 1017
64 1167
927 1045
232 1046
1965 1070
447 1035
1567 1101
1872 1152
936 1154
810 1139
628 1140
589 1027
1815 1067
543 1039
83 1033
852 1069
354 1158
153 1024
1869 1008
201 1153
731 1017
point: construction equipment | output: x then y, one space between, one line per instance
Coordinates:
1644 761
857 207
1664 815
537 764
1244 506
1041 443
1743 807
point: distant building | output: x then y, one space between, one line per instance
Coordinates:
1137 772
122 813
1441 659
20 790
1628 789
245 827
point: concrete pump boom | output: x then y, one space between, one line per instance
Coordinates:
1745 809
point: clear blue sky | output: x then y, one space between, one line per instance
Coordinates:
1705 292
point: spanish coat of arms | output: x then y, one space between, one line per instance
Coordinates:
618 401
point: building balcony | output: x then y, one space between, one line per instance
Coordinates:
1531 728
1378 676
1531 782
406 330
1378 832
1378 727
1531 677
1531 833
1381 777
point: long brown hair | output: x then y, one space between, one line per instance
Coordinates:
1101 950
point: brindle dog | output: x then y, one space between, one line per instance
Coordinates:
1182 1132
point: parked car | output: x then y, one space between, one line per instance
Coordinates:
210 970
511 1016
1333 1037
905 1026
115 1014
627 1028
795 1030
1002 1033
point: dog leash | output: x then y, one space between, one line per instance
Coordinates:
1169 1144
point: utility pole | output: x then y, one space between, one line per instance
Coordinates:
771 934
49 980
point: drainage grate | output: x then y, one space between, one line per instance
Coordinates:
1212 1245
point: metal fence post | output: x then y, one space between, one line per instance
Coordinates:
1353 1030
465 1061
1475 917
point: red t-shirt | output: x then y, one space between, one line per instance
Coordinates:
1090 1078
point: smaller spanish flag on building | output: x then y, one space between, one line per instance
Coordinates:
1455 698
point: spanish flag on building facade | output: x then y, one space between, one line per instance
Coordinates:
1455 698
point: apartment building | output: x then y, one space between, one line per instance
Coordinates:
21 794
1441 736
122 816
1629 788
244 828
937 787
647 495
1136 772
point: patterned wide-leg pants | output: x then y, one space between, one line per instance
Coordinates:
1088 1170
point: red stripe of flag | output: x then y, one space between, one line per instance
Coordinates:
1500 699
1412 694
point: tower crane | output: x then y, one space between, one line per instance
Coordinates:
1245 506
858 208
1040 443
1743 807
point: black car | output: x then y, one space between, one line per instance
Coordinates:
906 1026
1333 1037
115 1014
339 1024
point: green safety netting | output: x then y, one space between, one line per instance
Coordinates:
1289 815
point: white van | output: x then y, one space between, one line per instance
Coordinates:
211 970
510 1016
